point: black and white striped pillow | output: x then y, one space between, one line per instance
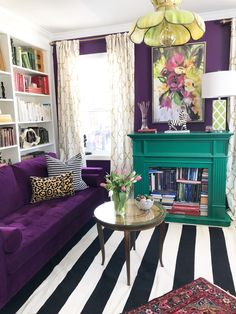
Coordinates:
57 167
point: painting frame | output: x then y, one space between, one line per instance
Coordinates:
176 82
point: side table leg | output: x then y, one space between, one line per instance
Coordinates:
133 240
127 254
162 238
101 241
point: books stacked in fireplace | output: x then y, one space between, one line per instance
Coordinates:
185 208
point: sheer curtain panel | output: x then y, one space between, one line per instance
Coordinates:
120 51
231 116
69 124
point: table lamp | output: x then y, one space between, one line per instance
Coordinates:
216 85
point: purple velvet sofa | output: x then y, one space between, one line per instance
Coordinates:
30 234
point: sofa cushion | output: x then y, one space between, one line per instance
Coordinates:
10 193
41 222
53 187
57 167
23 170
11 237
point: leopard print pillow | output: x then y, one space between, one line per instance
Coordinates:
53 187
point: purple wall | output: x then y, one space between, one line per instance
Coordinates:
217 38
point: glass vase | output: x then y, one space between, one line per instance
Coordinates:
120 198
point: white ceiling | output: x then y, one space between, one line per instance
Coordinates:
57 16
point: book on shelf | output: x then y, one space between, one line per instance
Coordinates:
188 181
18 56
4 118
182 212
2 62
147 131
39 62
7 137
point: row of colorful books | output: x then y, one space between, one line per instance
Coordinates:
37 84
27 57
7 137
162 179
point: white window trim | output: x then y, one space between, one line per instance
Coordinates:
97 157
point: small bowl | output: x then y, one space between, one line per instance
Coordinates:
144 204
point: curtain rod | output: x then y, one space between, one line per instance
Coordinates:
81 40
226 21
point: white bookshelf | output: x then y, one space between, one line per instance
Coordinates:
14 97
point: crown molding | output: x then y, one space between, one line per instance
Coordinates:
96 31
109 29
218 15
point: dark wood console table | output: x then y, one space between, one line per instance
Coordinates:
190 150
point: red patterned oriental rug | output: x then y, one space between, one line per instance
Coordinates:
199 296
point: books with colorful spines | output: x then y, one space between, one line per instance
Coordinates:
147 130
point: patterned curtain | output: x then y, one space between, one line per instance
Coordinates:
120 51
70 139
231 115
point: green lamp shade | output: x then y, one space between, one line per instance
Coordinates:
182 25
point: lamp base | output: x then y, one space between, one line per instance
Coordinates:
219 115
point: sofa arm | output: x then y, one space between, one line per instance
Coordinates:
3 275
93 176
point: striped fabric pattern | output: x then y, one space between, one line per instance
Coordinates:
56 167
75 281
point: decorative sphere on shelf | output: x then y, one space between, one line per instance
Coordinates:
144 202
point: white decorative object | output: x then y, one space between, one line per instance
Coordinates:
29 138
173 124
144 204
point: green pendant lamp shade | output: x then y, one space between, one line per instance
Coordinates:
167 26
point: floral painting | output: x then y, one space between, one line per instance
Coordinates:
176 75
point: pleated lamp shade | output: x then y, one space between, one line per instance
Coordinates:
167 26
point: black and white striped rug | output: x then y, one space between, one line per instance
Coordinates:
75 282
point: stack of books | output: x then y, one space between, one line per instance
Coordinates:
185 208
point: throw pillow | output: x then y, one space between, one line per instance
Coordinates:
57 167
54 187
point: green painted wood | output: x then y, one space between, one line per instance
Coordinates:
186 150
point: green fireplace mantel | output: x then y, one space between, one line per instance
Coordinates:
190 150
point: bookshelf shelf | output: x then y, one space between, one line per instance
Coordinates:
190 150
36 147
7 123
6 99
34 122
27 71
8 147
31 94
5 73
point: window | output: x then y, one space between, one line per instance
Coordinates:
95 103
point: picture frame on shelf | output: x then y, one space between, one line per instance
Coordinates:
176 82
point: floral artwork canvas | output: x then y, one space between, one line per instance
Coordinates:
176 74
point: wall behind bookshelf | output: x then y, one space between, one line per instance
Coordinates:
24 72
